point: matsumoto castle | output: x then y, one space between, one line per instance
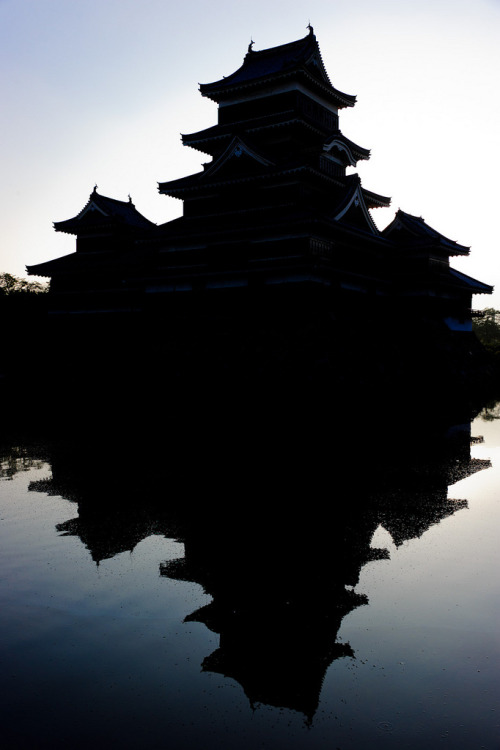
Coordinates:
276 234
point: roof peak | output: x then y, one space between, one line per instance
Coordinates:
101 206
303 41
300 59
95 195
417 226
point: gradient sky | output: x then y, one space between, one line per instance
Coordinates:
98 92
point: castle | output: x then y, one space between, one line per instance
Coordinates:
276 247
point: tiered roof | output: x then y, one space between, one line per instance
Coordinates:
213 139
101 216
353 152
74 263
267 67
415 232
100 211
462 281
274 198
240 143
356 201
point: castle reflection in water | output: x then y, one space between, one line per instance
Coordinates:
276 533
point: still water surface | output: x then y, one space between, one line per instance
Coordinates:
130 620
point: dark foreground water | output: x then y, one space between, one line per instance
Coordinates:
140 612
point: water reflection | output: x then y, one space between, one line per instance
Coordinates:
19 458
277 536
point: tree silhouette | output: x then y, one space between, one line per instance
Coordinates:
10 284
487 329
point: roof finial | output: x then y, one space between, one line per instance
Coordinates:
250 46
95 188
129 198
311 30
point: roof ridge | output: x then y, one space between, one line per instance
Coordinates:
94 194
281 47
301 57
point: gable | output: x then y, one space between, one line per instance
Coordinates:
414 231
355 212
315 66
91 207
236 160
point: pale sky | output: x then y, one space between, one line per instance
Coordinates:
98 92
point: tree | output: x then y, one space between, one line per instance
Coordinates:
10 284
487 329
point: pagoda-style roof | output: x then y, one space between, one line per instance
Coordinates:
375 200
414 231
71 264
472 285
370 199
239 162
101 211
240 151
200 181
352 151
353 209
300 59
207 141
277 203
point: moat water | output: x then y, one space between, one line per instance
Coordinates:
137 612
